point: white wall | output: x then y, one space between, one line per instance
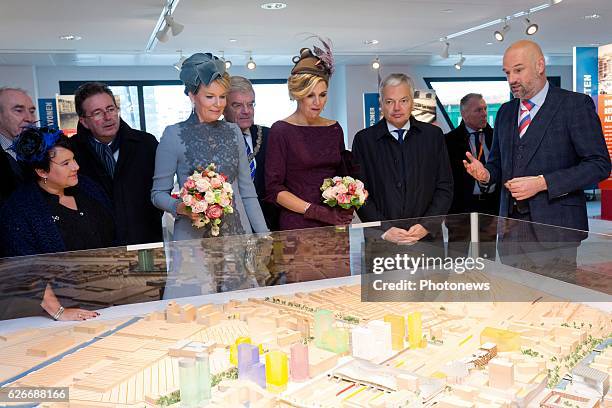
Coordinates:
20 77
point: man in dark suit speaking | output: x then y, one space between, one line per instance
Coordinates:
547 146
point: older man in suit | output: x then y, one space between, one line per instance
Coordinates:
548 145
17 111
404 165
240 109
475 135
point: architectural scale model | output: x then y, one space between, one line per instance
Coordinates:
325 349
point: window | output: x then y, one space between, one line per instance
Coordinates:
449 92
153 105
164 106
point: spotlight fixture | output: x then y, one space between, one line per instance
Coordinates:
531 28
370 42
179 64
250 63
444 53
228 63
162 35
500 34
170 27
459 64
376 63
175 27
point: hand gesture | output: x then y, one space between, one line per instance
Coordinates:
475 168
523 188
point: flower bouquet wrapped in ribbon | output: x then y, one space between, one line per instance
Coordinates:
208 193
345 192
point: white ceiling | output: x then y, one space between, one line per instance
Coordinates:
116 32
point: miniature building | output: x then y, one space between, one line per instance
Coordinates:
501 373
398 330
505 340
415 330
277 371
588 377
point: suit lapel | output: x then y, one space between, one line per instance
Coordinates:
507 133
539 124
126 151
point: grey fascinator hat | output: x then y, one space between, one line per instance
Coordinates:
200 69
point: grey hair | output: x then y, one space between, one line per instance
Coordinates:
4 89
241 84
396 79
466 99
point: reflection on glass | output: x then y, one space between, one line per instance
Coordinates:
128 99
495 93
164 105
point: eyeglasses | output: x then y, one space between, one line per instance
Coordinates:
246 105
100 113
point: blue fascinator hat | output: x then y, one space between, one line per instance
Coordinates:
200 69
33 143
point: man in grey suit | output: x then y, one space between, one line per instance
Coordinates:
548 146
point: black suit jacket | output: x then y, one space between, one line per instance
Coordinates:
270 211
8 179
425 186
564 143
457 143
137 220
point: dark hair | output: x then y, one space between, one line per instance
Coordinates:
34 145
90 89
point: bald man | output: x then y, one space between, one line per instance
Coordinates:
548 145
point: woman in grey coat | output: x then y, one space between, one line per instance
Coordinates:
200 140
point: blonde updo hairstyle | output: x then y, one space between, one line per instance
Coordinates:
300 85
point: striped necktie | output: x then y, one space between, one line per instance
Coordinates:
525 117
249 153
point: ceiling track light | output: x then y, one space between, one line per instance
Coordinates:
501 34
444 52
459 64
175 28
376 63
228 63
530 28
250 63
171 26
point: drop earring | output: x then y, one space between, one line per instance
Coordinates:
44 180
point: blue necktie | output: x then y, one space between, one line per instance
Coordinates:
251 161
400 135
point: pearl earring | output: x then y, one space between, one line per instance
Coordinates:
45 180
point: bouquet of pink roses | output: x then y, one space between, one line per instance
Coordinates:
208 194
345 192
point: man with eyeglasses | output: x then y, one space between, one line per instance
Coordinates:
121 160
17 111
240 109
